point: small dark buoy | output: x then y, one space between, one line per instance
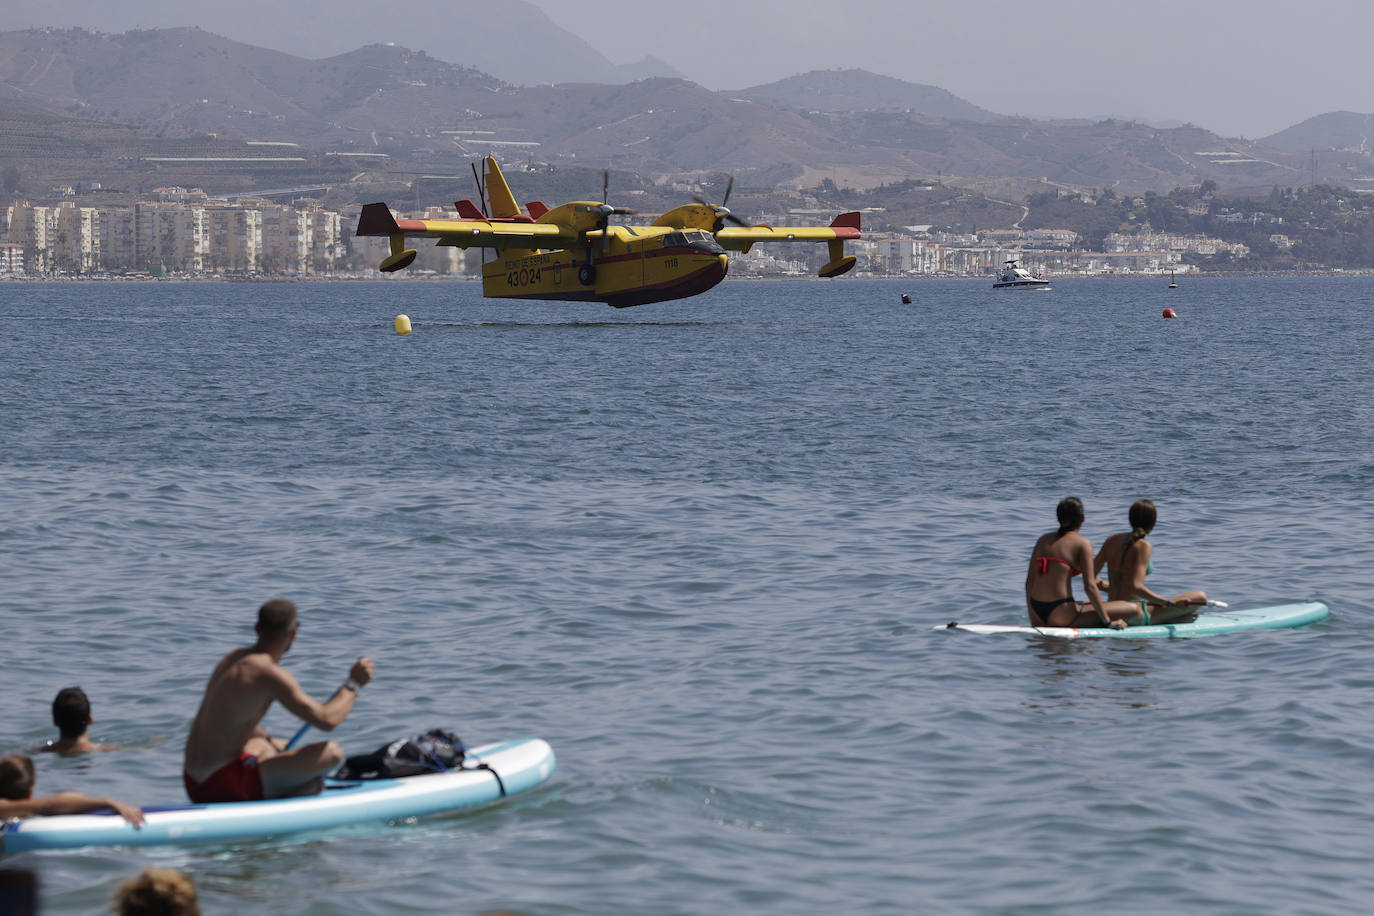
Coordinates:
1170 313
906 299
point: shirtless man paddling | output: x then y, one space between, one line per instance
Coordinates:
229 757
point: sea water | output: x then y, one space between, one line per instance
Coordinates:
700 547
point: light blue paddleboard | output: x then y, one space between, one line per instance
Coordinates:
1208 623
521 765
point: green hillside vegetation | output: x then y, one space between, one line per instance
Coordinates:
1328 226
916 202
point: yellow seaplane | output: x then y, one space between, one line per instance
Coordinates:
574 252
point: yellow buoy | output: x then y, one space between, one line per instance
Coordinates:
402 324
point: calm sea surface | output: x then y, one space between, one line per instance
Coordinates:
699 547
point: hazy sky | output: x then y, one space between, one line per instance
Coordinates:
1238 67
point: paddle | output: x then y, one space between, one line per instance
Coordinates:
296 738
1194 603
349 684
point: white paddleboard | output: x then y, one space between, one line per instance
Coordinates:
512 767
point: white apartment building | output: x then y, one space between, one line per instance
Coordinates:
35 228
181 237
897 254
327 247
173 236
11 259
75 247
236 236
287 240
115 227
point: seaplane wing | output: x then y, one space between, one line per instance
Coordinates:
377 219
739 238
845 227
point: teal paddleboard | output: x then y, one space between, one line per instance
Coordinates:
1208 623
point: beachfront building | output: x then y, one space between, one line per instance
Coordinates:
116 228
76 245
11 259
236 236
895 254
287 240
35 229
327 246
176 236
171 237
1117 243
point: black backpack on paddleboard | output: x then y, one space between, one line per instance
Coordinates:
436 751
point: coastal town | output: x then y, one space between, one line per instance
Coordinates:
185 233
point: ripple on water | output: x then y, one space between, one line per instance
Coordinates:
703 559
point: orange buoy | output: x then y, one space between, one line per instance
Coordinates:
1170 313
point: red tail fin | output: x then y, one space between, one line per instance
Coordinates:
376 219
468 210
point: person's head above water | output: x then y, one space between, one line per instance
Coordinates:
1142 517
16 777
71 712
1070 514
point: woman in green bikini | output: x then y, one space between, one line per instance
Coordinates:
1127 559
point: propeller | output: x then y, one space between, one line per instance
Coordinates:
723 214
606 211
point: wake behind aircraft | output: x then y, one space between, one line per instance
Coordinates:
574 252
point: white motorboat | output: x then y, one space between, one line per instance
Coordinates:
1016 277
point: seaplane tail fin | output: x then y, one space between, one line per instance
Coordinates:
468 210
499 198
376 219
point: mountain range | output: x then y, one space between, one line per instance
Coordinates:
415 113
513 40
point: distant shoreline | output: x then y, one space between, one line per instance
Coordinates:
921 278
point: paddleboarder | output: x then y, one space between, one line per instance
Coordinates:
1126 557
229 757
1058 557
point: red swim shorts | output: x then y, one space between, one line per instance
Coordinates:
237 780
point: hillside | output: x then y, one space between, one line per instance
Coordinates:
513 40
860 90
415 114
189 80
40 151
1335 130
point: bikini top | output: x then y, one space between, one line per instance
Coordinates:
1044 565
1117 574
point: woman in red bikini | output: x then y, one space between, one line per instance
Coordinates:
1058 557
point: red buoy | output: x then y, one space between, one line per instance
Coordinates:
1170 313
